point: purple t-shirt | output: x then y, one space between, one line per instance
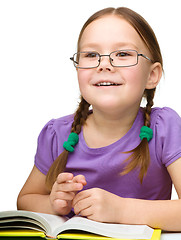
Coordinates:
102 166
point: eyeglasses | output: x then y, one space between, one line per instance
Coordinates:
119 58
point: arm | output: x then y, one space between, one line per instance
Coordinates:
99 205
164 214
34 195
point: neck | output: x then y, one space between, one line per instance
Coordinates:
109 126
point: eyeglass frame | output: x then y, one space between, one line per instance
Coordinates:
108 55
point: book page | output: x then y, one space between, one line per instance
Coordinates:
52 222
54 225
89 236
22 219
108 229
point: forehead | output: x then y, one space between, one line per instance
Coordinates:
110 32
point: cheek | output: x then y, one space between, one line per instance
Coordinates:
136 77
84 76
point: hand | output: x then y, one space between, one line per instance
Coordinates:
98 205
64 190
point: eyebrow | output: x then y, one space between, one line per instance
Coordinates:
119 45
127 44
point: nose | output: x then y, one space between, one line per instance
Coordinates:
105 64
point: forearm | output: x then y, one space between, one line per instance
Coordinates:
164 214
35 203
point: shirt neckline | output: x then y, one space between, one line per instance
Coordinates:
107 148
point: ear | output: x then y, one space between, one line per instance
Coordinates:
154 75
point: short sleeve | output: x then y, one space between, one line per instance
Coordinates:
168 136
47 150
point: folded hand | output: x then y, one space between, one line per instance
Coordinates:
97 204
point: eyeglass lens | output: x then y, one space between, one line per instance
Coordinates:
120 58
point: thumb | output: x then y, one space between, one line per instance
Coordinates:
80 179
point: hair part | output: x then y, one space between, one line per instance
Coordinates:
140 156
137 22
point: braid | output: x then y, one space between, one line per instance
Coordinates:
59 164
80 116
149 94
140 157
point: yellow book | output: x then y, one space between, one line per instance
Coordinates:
21 233
25 223
86 236
82 236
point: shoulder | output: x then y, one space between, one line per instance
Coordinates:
164 115
55 125
50 141
56 130
166 125
65 119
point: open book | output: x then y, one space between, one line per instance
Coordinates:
55 226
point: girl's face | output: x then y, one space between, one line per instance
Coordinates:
105 35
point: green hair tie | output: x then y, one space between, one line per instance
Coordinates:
146 132
71 142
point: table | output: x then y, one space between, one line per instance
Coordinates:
170 236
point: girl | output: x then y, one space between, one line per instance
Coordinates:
120 160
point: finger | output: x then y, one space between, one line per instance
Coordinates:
65 196
80 196
82 206
86 212
80 179
69 187
59 203
64 177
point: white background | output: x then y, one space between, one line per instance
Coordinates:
38 81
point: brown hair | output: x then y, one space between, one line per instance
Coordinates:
140 157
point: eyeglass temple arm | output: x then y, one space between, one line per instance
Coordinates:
142 55
72 59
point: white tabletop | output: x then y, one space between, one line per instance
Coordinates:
170 236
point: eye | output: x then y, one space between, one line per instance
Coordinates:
91 54
122 54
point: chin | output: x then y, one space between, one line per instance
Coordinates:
108 102
107 106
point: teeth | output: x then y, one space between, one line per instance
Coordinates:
106 84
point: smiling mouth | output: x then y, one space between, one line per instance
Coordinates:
107 84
